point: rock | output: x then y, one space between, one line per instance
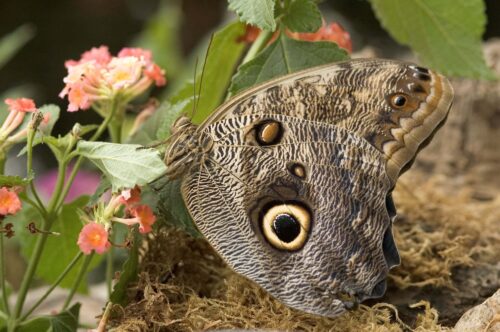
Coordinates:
484 317
466 148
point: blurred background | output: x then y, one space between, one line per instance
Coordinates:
59 30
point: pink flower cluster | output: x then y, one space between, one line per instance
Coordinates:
99 76
94 235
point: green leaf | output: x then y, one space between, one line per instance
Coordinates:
104 185
59 144
128 273
65 321
59 249
13 180
13 42
52 111
255 12
171 207
171 115
35 324
223 56
125 165
303 16
85 129
285 56
56 144
3 322
186 91
211 86
446 34
146 134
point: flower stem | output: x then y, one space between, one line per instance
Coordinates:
54 285
105 317
109 271
30 272
76 166
3 284
29 168
81 273
3 160
109 268
115 130
61 177
48 217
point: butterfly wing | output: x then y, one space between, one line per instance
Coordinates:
292 186
395 106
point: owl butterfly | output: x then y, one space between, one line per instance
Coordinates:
291 181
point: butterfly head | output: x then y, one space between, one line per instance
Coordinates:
186 147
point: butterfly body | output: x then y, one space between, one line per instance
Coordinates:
291 181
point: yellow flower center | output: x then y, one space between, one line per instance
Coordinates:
95 239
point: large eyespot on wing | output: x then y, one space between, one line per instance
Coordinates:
286 225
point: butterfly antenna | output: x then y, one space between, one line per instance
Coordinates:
193 109
197 100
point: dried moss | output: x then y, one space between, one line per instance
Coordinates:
192 290
185 286
438 232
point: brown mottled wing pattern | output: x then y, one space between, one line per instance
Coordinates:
354 95
347 128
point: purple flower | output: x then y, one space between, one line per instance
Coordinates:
85 183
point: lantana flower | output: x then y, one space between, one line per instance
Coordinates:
9 201
99 77
142 215
22 105
94 235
